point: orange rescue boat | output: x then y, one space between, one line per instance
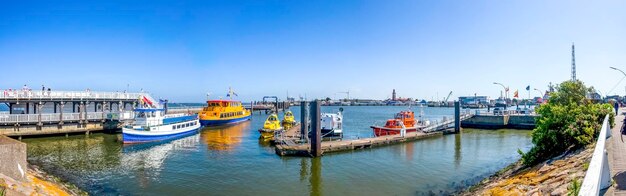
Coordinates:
394 126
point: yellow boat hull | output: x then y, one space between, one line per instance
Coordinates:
267 134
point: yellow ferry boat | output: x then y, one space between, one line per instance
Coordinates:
222 112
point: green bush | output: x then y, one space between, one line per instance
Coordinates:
567 121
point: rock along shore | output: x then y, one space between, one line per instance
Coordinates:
557 176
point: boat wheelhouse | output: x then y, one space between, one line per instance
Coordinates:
332 124
270 127
153 124
288 120
222 112
402 120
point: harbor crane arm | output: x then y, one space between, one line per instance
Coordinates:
448 97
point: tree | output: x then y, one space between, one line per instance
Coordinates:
567 121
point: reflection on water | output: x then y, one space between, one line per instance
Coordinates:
95 157
314 177
148 158
152 155
457 149
77 153
225 138
197 165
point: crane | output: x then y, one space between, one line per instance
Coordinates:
448 97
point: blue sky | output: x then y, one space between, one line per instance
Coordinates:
183 49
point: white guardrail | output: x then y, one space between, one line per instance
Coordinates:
598 175
20 94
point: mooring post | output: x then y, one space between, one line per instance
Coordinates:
316 137
304 122
457 117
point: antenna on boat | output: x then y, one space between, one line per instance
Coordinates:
231 93
422 113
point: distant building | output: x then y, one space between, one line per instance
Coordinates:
595 97
393 95
474 100
613 97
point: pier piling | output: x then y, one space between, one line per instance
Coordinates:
457 117
316 137
304 121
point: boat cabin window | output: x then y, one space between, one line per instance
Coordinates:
224 104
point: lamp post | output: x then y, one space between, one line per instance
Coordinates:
540 93
619 71
506 93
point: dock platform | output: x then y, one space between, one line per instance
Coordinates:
288 143
286 149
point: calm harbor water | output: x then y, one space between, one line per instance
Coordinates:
233 161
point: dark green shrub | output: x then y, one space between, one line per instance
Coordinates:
567 121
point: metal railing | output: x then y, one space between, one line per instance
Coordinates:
503 112
25 95
445 123
598 175
54 117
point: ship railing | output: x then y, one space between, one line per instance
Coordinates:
120 116
55 117
27 95
598 174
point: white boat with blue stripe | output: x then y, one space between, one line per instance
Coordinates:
154 125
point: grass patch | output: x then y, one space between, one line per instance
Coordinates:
574 187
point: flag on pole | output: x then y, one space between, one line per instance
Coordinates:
231 92
528 87
515 94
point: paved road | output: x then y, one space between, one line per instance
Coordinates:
616 148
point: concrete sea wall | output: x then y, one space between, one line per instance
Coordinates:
13 158
500 122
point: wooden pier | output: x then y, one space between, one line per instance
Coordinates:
289 142
291 148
